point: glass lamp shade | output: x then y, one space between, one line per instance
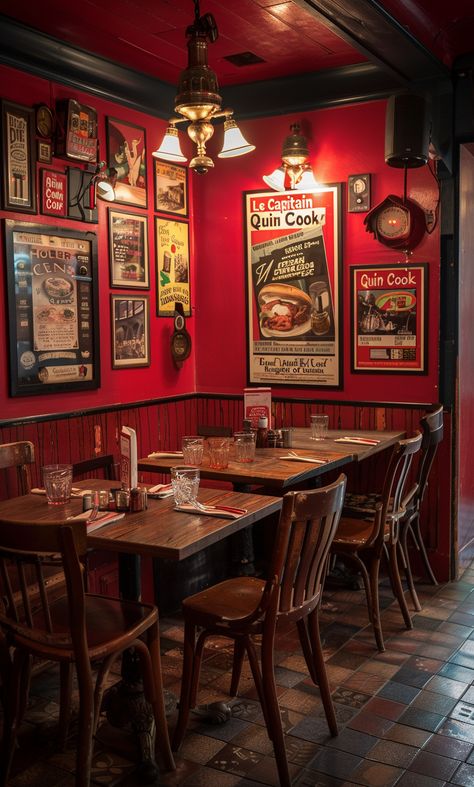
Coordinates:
235 143
105 191
307 181
170 149
276 180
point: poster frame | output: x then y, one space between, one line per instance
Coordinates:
15 306
27 114
130 363
169 312
123 191
116 281
166 169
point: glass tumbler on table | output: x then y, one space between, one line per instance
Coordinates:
57 480
244 444
193 448
185 484
219 448
319 427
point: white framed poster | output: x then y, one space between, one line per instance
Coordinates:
293 273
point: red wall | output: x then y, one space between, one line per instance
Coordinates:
118 385
346 140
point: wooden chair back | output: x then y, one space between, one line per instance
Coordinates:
106 463
391 508
432 428
18 456
214 431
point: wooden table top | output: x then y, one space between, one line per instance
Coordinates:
160 531
270 471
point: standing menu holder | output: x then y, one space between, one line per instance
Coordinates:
128 458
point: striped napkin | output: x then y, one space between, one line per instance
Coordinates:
75 492
160 490
102 518
225 512
166 455
303 459
357 440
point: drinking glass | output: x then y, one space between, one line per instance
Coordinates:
319 427
193 448
244 443
57 480
185 484
219 448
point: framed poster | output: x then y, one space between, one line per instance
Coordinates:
128 250
172 261
43 151
126 154
389 318
52 309
130 331
171 188
18 160
53 192
293 277
76 131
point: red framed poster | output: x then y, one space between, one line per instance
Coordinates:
53 192
294 287
389 306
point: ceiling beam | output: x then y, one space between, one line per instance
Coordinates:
370 29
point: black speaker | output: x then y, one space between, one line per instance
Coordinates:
406 131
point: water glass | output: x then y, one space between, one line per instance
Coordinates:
193 448
57 480
219 448
319 427
185 484
244 445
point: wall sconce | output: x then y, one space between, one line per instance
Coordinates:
295 169
198 101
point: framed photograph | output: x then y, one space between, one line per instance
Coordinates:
76 131
130 331
172 266
53 192
171 188
389 306
126 154
128 250
52 288
18 160
293 279
44 152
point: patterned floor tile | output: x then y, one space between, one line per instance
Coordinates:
236 760
349 697
457 729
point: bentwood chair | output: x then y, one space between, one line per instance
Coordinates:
243 607
432 429
76 629
105 463
366 534
17 457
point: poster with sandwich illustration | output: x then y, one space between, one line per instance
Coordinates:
293 286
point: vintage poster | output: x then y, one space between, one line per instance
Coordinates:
130 331
18 176
171 188
53 192
126 155
389 304
172 260
293 287
128 250
52 299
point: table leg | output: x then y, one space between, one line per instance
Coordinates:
124 704
242 550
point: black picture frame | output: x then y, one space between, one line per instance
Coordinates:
171 188
126 149
18 158
130 331
53 309
128 250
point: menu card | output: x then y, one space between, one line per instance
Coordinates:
128 458
257 403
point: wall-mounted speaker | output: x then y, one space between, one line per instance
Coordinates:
406 131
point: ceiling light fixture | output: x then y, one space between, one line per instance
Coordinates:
295 170
198 102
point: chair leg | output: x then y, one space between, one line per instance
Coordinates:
273 710
258 680
13 702
403 552
150 659
320 669
397 583
65 682
186 684
239 653
375 603
86 723
418 539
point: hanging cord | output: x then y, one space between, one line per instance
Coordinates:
436 210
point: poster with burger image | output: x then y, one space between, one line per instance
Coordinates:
293 286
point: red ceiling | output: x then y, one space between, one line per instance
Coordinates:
149 35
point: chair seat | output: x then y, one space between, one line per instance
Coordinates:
228 601
353 533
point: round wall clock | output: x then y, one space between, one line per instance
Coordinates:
397 223
44 121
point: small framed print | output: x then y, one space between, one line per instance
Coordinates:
171 188
130 331
172 266
44 152
19 186
53 192
126 154
128 250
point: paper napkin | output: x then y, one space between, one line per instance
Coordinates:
102 518
75 492
166 454
303 459
357 440
225 512
160 490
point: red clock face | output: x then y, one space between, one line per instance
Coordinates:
393 222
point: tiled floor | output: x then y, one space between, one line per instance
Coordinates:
406 716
